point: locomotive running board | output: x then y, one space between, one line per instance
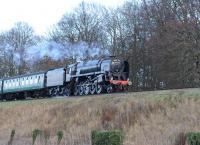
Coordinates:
120 82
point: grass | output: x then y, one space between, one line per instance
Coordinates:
146 118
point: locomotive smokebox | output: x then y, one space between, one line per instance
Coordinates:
120 69
117 66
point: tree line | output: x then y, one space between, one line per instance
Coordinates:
159 38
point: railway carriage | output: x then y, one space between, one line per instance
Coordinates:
20 87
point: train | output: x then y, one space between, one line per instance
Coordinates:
105 75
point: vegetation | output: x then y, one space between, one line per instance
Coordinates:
193 138
35 134
11 137
107 138
152 117
60 136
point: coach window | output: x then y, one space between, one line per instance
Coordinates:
38 79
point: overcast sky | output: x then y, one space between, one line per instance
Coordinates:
40 14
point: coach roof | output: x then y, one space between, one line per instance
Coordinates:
25 75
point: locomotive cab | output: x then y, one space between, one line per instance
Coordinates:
70 71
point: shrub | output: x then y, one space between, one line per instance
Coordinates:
107 138
35 133
60 136
11 137
193 138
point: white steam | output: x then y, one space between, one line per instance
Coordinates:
58 51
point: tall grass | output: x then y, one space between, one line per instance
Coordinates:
146 118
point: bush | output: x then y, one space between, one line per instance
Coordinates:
35 133
193 138
107 138
11 137
60 136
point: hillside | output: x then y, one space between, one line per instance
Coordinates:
146 118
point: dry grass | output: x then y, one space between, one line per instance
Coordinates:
146 118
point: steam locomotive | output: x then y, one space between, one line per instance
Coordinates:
82 78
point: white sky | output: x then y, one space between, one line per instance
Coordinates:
40 14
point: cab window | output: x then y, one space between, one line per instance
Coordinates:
68 70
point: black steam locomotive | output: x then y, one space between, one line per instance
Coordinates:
82 78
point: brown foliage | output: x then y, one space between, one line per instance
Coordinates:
108 114
180 139
142 119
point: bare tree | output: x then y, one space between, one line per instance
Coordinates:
83 24
18 39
